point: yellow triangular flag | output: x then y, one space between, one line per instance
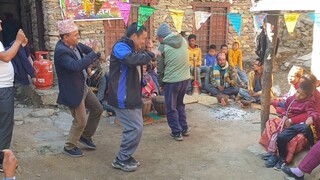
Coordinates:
177 17
291 21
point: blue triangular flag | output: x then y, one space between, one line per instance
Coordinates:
236 21
315 18
312 16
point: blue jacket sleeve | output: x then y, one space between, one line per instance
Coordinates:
123 52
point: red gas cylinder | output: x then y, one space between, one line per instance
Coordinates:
43 70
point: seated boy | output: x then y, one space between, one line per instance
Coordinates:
211 58
235 59
195 62
302 102
148 86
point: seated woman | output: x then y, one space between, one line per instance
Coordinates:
152 66
302 102
148 86
294 76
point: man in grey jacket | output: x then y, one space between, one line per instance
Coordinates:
174 76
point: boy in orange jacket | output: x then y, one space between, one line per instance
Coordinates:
235 59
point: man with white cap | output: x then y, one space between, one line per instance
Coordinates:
174 76
7 92
71 59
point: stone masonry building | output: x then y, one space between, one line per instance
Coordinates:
39 20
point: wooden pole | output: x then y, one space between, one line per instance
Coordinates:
272 35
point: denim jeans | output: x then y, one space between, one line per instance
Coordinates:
241 76
102 87
199 70
246 95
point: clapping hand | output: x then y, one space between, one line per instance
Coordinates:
95 46
20 38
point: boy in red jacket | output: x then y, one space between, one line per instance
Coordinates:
302 102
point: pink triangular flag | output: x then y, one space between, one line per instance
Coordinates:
124 9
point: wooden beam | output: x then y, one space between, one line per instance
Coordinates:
272 36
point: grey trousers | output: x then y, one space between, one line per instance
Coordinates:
132 123
6 118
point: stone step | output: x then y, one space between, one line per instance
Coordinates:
38 98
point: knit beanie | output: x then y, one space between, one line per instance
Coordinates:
164 30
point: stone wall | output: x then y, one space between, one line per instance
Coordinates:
162 15
52 14
247 30
95 29
247 36
297 44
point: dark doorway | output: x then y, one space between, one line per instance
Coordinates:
11 20
28 15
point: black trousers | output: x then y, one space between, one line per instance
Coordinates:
6 118
289 133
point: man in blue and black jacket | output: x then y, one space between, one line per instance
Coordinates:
125 74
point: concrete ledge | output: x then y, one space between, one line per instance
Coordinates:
39 97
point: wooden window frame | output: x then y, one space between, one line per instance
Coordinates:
211 5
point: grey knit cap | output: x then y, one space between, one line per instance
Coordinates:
164 30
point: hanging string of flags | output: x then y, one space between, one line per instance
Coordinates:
235 18
290 19
177 16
